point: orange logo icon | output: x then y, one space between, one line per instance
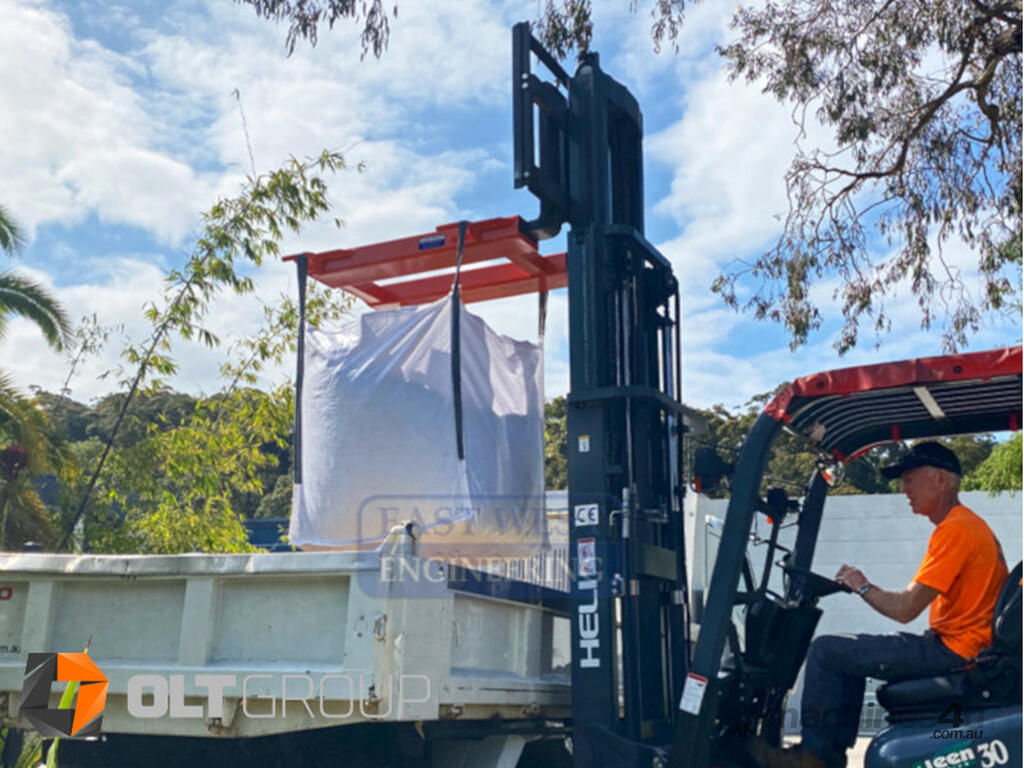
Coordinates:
85 717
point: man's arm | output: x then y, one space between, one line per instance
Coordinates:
903 606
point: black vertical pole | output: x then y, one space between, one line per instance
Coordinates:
302 268
457 343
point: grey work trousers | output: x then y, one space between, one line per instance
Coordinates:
835 672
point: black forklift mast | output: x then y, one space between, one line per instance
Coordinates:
578 148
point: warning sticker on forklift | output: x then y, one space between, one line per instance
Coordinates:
585 514
586 558
693 693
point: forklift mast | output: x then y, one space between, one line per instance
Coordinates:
578 148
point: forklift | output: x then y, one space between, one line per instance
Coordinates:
645 694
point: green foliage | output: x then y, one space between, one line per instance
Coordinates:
305 16
277 503
1000 471
556 462
156 406
29 745
971 450
237 232
11 238
179 488
789 465
924 100
23 516
566 25
24 297
924 103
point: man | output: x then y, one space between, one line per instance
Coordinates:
960 578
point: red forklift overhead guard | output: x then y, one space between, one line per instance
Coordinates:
847 411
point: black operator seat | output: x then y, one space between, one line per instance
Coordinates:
993 680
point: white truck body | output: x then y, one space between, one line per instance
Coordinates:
309 640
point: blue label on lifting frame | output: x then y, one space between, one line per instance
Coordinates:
431 241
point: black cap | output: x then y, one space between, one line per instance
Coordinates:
929 454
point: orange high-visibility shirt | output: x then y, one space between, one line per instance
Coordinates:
965 564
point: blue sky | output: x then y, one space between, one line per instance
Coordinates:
120 127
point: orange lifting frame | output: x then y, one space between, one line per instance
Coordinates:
358 270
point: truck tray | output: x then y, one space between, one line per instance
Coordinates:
257 644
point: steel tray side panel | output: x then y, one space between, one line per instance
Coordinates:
494 637
122 619
507 658
303 620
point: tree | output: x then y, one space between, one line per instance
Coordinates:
11 239
24 297
1001 471
924 101
28 448
305 16
178 487
245 229
556 462
26 436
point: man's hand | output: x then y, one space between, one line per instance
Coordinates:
851 577
903 606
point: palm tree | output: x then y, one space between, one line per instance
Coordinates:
32 449
21 296
11 239
27 443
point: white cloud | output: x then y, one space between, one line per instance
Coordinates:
80 133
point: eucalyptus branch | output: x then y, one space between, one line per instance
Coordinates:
246 229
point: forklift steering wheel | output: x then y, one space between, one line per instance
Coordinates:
816 584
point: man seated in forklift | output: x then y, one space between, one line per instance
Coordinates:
960 578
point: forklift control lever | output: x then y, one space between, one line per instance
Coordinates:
815 585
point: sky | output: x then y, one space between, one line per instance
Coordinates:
120 126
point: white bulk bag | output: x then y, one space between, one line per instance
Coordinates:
378 436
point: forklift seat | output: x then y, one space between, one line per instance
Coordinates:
994 679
